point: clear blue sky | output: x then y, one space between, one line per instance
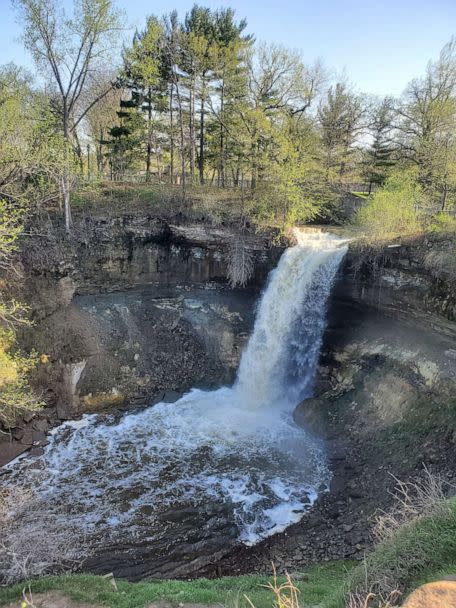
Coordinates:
381 44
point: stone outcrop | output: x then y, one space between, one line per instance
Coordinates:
134 308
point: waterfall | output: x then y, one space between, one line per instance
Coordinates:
298 289
186 479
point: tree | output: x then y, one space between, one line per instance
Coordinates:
379 157
102 117
68 51
200 44
230 65
31 149
393 210
427 115
143 75
341 120
172 60
31 144
125 143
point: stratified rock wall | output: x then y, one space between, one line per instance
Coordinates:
141 305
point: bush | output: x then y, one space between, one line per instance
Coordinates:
443 223
441 263
31 548
16 396
392 211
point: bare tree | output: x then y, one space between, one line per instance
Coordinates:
69 51
240 263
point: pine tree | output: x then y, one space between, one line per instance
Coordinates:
380 156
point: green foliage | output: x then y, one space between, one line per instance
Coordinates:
443 223
392 211
30 146
381 156
16 396
341 121
32 158
228 591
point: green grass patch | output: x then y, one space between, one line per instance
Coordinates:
316 584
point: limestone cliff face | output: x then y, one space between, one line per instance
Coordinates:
399 308
404 281
117 253
141 305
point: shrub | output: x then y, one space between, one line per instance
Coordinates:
240 263
443 223
31 548
393 210
442 263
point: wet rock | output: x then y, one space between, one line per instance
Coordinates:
39 437
36 452
64 411
171 396
17 433
101 401
41 424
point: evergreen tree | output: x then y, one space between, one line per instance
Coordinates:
380 156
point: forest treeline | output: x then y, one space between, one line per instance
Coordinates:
195 99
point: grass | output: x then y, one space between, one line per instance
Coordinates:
420 551
164 199
317 583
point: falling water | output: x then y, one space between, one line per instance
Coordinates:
181 480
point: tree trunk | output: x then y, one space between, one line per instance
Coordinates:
182 138
171 136
222 137
444 198
192 128
201 134
157 156
66 171
149 133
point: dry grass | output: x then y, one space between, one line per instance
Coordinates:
442 263
240 263
112 198
412 500
372 600
286 594
416 537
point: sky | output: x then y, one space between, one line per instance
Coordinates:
380 44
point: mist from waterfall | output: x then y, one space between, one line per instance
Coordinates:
216 466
